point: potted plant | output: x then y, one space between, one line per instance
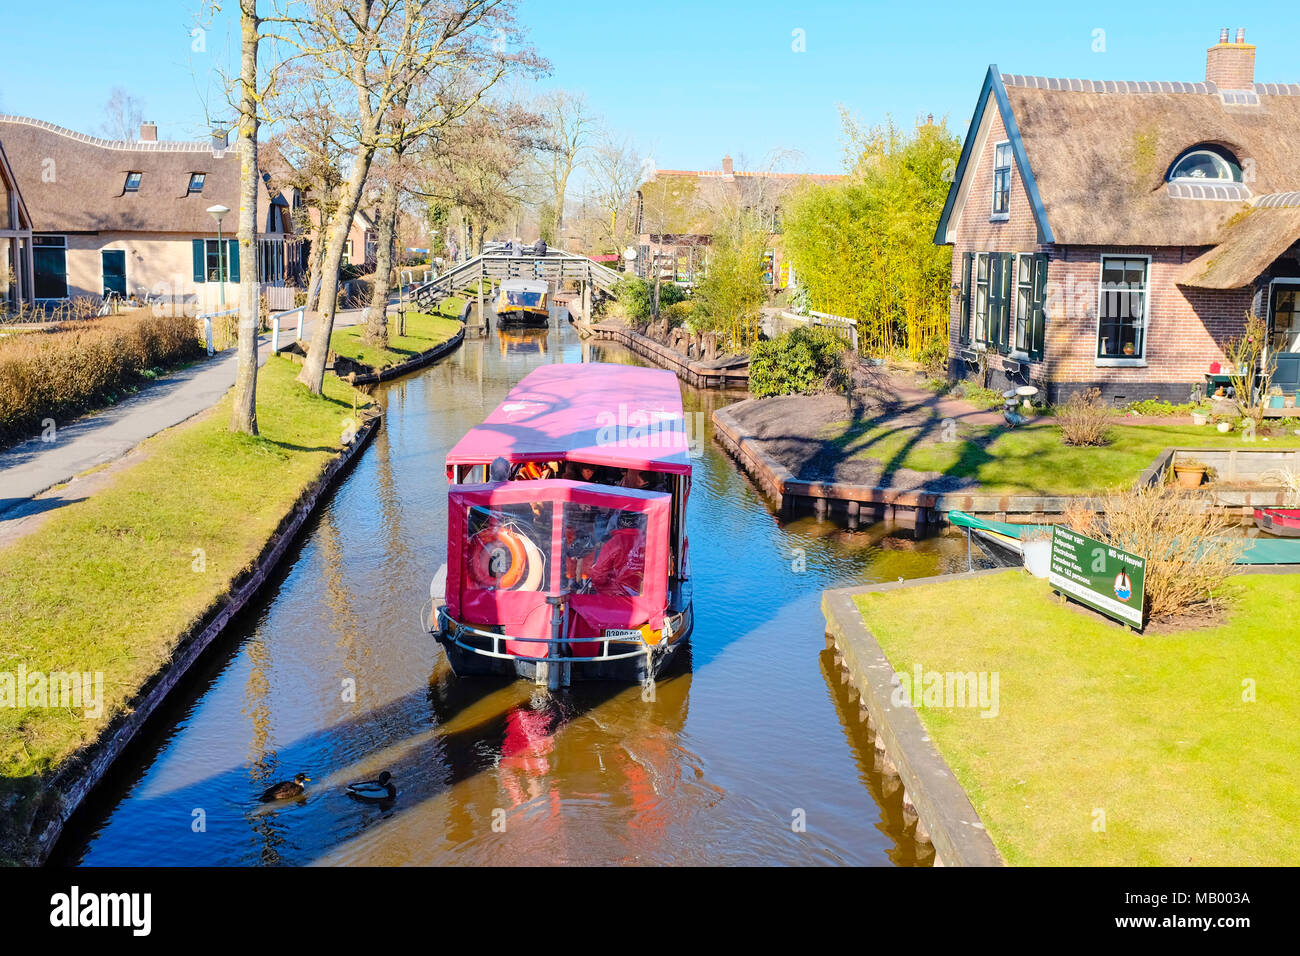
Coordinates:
1189 472
1200 415
1128 348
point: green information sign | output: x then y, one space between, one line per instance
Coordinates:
1103 577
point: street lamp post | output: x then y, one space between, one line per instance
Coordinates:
218 213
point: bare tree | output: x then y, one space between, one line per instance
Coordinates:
376 52
613 174
123 114
567 129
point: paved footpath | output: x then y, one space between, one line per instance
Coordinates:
35 466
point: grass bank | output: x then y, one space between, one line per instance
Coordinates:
423 332
112 583
1030 459
1150 731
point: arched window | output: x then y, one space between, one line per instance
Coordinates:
1206 164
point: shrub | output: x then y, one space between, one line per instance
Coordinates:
636 297
933 356
978 395
1188 545
60 374
803 361
1154 406
1084 418
678 313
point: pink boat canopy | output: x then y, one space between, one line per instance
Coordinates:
618 416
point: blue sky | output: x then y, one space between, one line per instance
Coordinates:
688 81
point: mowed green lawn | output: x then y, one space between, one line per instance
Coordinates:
1030 459
1148 735
423 332
110 583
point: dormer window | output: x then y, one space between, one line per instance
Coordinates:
1206 164
196 182
132 183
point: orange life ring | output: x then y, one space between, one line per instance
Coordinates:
488 548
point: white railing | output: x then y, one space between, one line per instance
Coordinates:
206 318
275 327
845 326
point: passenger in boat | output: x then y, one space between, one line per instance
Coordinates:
644 480
499 470
582 471
536 470
619 567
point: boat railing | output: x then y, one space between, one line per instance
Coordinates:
453 630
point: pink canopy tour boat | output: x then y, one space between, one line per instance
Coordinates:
566 531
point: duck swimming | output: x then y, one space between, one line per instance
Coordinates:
285 789
381 789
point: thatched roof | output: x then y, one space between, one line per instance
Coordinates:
1099 153
683 202
1245 250
76 183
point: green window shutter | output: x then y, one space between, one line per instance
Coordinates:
1004 303
963 329
232 262
1037 313
995 319
198 261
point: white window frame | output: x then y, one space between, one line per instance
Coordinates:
1022 259
1137 361
994 215
1218 159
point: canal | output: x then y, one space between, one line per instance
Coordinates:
748 754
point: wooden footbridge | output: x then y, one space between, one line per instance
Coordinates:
551 265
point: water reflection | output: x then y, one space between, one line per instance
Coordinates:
331 675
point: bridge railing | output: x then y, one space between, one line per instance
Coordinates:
845 327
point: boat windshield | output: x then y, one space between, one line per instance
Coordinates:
523 298
509 546
604 550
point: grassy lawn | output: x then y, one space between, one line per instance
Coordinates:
423 332
108 584
1029 459
1153 730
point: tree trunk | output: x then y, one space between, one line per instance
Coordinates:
243 412
377 317
313 368
317 260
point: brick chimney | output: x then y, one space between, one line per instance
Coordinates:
1231 66
148 132
726 166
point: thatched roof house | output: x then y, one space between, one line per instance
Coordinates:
1115 233
674 211
131 217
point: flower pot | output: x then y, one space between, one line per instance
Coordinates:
1189 476
1276 401
1199 418
1225 427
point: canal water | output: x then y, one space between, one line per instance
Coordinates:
749 752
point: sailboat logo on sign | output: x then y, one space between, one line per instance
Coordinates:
1123 586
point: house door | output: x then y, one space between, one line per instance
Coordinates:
1284 328
113 269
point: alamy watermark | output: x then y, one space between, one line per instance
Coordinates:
652 428
66 690
937 690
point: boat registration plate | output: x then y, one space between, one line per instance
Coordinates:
623 633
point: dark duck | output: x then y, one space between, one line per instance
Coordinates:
285 789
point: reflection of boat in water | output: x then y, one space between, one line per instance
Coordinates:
523 302
584 576
522 340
